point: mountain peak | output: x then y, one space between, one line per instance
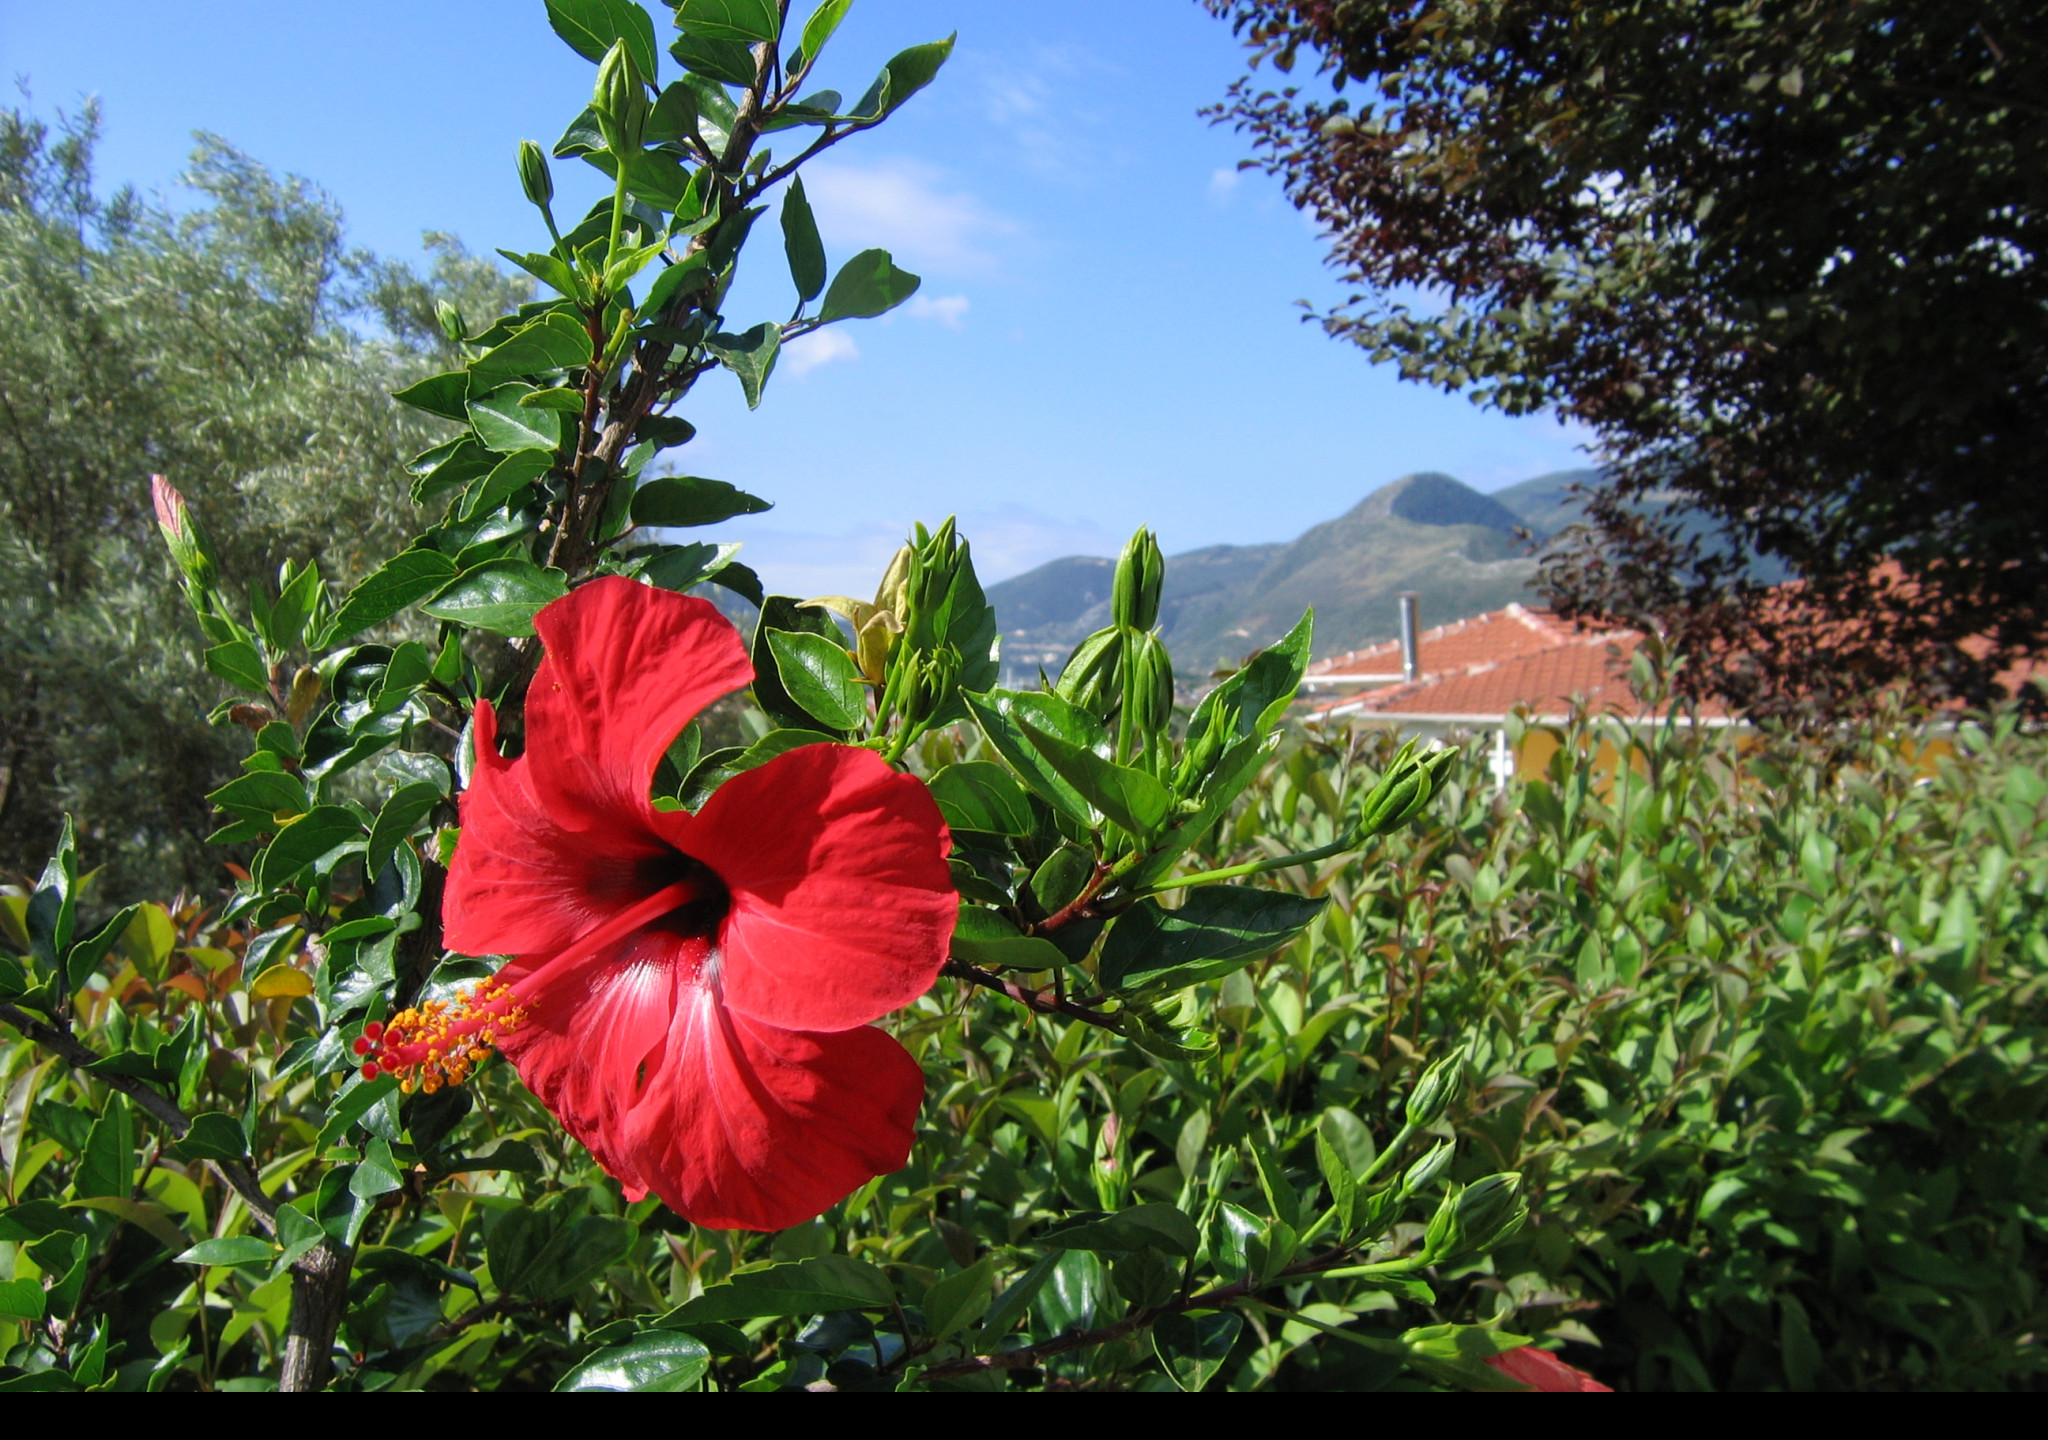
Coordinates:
1430 498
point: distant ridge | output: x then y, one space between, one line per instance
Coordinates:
1430 533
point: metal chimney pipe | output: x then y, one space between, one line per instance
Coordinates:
1411 657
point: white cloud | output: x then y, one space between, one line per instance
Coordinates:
1223 184
821 347
907 209
948 310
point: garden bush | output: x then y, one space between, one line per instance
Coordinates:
1759 1018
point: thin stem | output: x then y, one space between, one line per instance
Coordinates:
1032 1000
1256 867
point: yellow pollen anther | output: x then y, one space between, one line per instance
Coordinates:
440 1043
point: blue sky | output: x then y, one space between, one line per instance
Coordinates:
1106 335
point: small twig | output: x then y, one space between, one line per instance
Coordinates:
1032 1000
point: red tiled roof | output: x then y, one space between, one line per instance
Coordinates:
1483 639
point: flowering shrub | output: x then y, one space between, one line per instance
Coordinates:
483 819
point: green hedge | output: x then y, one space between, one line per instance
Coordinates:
1761 1021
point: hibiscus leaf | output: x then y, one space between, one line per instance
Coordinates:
746 21
544 1254
719 766
678 502
1133 799
809 1287
313 836
820 676
401 815
780 613
1257 695
1195 1344
997 713
982 796
501 596
402 580
1157 1226
751 356
553 342
957 1301
504 425
656 1362
1219 929
982 937
866 286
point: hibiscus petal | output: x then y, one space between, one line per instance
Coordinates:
747 1127
842 906
627 667
1541 1370
527 879
597 1027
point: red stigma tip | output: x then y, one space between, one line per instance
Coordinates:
370 1071
361 1045
374 1030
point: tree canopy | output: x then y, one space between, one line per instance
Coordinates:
1782 256
238 346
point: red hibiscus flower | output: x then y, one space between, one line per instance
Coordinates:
1541 1370
693 995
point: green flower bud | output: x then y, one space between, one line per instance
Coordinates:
1423 1171
1150 695
1473 1220
451 321
1093 677
931 679
620 100
534 176
1134 597
1436 1089
190 549
1404 791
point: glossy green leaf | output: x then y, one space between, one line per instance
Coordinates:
550 270
719 766
909 72
999 713
238 663
680 567
657 1362
21 1300
263 795
592 27
444 395
1157 1226
802 243
982 796
868 285
983 937
750 356
744 20
401 815
781 613
312 836
403 580
539 1255
1194 1344
730 62
1220 928
86 955
820 676
108 1164
958 1301
502 596
213 1136
681 502
556 341
1255 698
1130 798
505 480
808 1287
378 1172
504 425
820 27
234 1250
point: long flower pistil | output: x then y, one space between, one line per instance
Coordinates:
440 1043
